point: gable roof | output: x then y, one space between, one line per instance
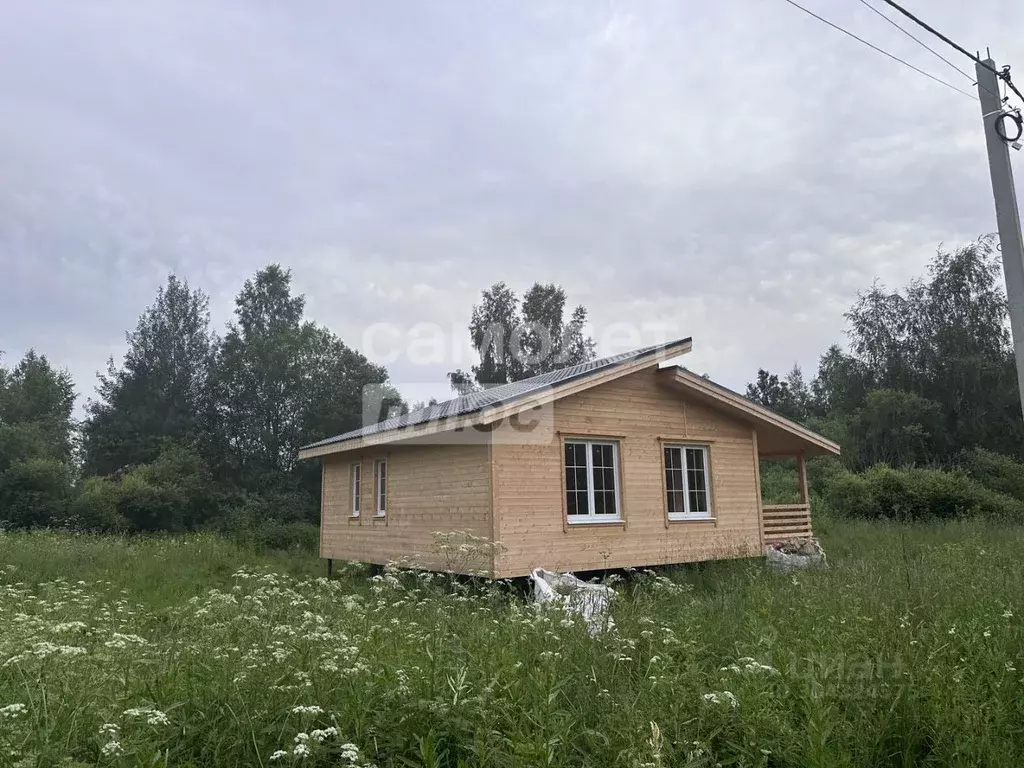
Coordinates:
523 393
777 434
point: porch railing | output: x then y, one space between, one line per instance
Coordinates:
786 521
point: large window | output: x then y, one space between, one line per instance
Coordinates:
686 482
356 471
380 474
592 481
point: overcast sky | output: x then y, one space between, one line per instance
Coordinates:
734 171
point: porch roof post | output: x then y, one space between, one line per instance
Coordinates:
801 468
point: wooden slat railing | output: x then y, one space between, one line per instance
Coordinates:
786 521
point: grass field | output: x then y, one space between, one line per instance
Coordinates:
908 650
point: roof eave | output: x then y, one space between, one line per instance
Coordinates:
736 402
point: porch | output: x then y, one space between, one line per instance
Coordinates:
788 521
775 437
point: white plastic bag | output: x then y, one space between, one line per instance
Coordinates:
796 553
589 600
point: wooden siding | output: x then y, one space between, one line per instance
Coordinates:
640 413
430 488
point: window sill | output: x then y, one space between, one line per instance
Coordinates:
693 519
353 517
590 521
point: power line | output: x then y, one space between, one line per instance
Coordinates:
880 50
920 42
917 40
1003 75
936 32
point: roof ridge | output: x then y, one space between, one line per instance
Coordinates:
498 394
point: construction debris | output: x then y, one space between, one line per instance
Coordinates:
589 600
791 554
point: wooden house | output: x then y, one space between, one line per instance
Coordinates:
617 462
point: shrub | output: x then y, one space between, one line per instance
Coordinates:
277 536
34 493
173 493
779 481
95 507
270 523
822 472
918 494
995 471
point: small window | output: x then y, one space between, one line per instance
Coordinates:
357 487
380 473
686 482
591 481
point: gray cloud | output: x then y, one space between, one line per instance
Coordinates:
736 170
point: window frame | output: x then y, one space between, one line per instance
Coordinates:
687 515
380 511
355 481
591 517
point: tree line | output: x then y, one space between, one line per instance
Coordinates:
195 429
192 429
927 373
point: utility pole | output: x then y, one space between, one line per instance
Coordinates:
1007 214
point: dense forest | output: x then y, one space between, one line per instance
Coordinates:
923 400
929 371
198 430
192 429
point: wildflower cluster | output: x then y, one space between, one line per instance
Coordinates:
722 697
149 714
12 711
747 665
258 667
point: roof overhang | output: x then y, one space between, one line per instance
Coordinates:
776 435
500 411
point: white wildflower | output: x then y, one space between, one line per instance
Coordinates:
350 752
112 749
749 665
12 711
279 754
123 641
70 626
722 697
110 730
152 716
312 709
301 750
1007 614
42 650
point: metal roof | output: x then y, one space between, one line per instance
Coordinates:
497 395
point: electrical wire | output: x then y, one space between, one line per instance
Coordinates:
917 40
1001 128
1003 75
924 45
880 50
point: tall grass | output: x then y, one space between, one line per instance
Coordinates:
908 650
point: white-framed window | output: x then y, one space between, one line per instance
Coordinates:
356 475
592 481
380 482
687 482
